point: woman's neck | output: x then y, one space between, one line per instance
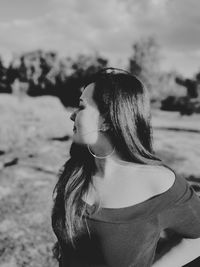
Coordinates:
107 159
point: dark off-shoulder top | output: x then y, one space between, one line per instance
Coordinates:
128 237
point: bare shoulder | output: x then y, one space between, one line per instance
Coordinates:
134 184
161 178
158 179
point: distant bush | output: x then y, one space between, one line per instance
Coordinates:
184 105
43 73
144 63
4 81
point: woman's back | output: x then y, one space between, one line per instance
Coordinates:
128 236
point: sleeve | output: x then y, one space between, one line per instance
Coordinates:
183 217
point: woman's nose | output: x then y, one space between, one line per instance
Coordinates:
73 116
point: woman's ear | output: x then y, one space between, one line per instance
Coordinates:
105 127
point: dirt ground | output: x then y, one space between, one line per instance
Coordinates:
34 144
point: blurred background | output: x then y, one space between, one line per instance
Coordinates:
47 48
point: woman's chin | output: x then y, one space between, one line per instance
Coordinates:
76 139
90 140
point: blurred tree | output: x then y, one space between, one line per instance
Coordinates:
45 74
4 86
191 86
41 65
144 63
32 69
197 77
187 104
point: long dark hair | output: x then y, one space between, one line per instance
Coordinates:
124 102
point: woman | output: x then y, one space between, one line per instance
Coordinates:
114 197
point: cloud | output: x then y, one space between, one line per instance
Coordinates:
72 27
110 27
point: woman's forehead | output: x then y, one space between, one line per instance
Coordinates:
87 94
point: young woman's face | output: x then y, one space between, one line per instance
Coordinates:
87 118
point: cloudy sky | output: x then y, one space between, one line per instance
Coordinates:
107 26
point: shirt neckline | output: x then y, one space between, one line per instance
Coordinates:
109 209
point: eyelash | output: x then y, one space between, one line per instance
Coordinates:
80 107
